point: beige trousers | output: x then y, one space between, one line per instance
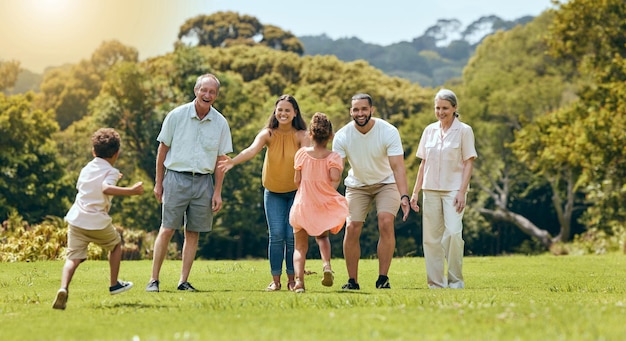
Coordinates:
443 239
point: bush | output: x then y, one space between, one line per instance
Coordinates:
47 241
594 241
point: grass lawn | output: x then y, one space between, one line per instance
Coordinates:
506 298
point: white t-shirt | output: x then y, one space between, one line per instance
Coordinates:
368 154
90 210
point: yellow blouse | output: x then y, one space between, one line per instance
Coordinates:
278 171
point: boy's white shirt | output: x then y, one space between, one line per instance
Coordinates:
90 210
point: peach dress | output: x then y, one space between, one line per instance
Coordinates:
317 207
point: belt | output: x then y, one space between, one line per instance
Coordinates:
195 174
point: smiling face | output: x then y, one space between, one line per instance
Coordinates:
284 112
206 93
444 110
361 112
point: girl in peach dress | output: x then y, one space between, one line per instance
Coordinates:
317 208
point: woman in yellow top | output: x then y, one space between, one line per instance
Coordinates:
283 135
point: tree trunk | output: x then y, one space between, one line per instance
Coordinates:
522 223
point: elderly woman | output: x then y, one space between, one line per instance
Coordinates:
447 152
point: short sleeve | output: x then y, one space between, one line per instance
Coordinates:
166 133
338 142
335 161
394 142
468 147
298 159
111 178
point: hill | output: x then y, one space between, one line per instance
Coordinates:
432 59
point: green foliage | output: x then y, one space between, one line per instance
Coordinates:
545 134
69 90
591 36
32 180
509 95
595 242
223 29
430 60
21 242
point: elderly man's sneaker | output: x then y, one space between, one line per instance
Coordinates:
120 287
186 286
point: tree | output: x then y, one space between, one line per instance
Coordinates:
32 179
591 36
223 29
8 73
129 102
506 90
68 90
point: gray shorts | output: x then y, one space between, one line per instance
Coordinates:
187 201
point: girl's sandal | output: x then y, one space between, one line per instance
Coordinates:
273 286
299 287
329 278
291 286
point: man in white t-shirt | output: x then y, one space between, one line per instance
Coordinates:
374 151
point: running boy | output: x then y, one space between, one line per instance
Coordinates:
88 218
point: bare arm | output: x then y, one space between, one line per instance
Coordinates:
297 177
459 200
335 177
216 203
160 170
303 138
259 142
135 189
419 181
399 173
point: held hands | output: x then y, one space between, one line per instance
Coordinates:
414 204
405 208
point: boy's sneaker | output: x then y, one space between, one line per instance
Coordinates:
186 286
120 287
351 285
61 300
383 282
153 286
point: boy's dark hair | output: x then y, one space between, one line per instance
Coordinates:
106 142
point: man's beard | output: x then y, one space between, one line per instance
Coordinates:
369 117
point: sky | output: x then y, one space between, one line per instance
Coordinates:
43 33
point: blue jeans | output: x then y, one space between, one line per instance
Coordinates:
277 206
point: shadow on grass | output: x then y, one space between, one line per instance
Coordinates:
130 305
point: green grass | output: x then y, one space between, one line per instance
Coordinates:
506 298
